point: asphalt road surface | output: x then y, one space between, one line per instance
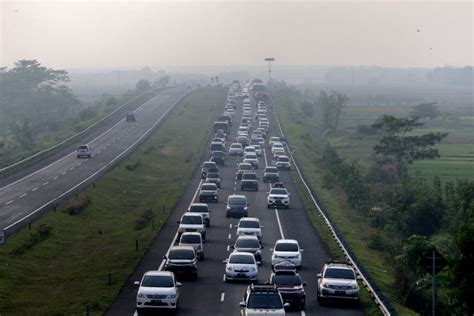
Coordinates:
29 194
209 294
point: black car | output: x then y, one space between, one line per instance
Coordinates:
218 157
208 166
236 206
208 193
271 174
250 244
182 260
291 287
249 181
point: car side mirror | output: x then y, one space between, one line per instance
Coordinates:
271 249
224 261
301 250
261 247
178 222
233 247
286 305
242 304
319 275
305 284
165 257
359 277
178 284
136 283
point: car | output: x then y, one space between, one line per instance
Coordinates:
278 185
191 222
283 163
208 193
249 150
254 142
258 149
243 167
242 139
193 240
182 260
213 177
249 226
271 174
241 266
337 280
252 159
237 206
243 129
221 135
287 250
130 117
262 299
278 198
236 149
208 166
277 146
290 286
249 243
218 157
277 153
84 151
157 289
203 209
217 146
249 181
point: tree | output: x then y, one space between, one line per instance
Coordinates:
162 81
331 106
143 85
401 148
22 132
425 110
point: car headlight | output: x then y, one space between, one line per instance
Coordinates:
354 286
245 208
327 285
171 296
229 268
253 269
258 252
141 295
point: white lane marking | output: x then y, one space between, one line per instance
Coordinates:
222 296
87 159
228 247
303 313
9 202
72 168
98 152
23 195
223 277
230 225
55 178
64 173
230 236
80 163
34 189
46 183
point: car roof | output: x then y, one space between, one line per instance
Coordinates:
253 237
199 204
241 253
158 273
237 195
288 241
340 266
249 219
191 214
182 248
190 234
244 164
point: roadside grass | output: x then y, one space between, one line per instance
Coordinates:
69 269
302 137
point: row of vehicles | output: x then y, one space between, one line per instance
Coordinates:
284 288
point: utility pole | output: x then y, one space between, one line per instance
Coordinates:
269 59
433 290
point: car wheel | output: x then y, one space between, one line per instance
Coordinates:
302 304
268 206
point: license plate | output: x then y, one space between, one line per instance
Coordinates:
341 292
156 301
241 275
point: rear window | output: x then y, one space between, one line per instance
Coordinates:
247 243
208 187
190 239
181 254
199 208
249 224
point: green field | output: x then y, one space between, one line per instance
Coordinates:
62 273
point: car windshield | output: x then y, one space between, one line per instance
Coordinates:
271 170
284 159
247 243
82 147
190 239
286 247
251 156
193 220
207 165
264 301
245 167
157 281
181 254
249 224
286 279
217 154
249 176
335 273
207 187
277 145
235 146
278 191
242 259
213 175
237 201
199 208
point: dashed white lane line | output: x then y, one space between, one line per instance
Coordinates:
222 296
9 202
64 173
303 313
228 247
72 168
55 178
46 183
23 195
223 277
230 225
34 189
230 236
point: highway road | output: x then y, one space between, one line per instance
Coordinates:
31 193
209 294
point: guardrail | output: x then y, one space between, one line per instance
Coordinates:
379 298
10 229
73 137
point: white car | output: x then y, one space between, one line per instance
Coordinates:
258 150
287 250
278 198
262 300
252 159
192 223
241 266
84 151
273 140
249 226
236 149
283 162
277 146
249 150
193 240
157 289
337 280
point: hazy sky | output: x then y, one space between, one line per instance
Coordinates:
128 34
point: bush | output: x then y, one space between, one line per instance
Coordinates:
144 219
376 242
330 157
77 206
43 232
366 130
133 166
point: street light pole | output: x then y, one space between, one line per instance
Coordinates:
269 59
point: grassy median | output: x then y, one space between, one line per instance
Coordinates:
84 252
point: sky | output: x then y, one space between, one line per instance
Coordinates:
108 34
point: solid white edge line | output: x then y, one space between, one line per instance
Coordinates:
279 224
